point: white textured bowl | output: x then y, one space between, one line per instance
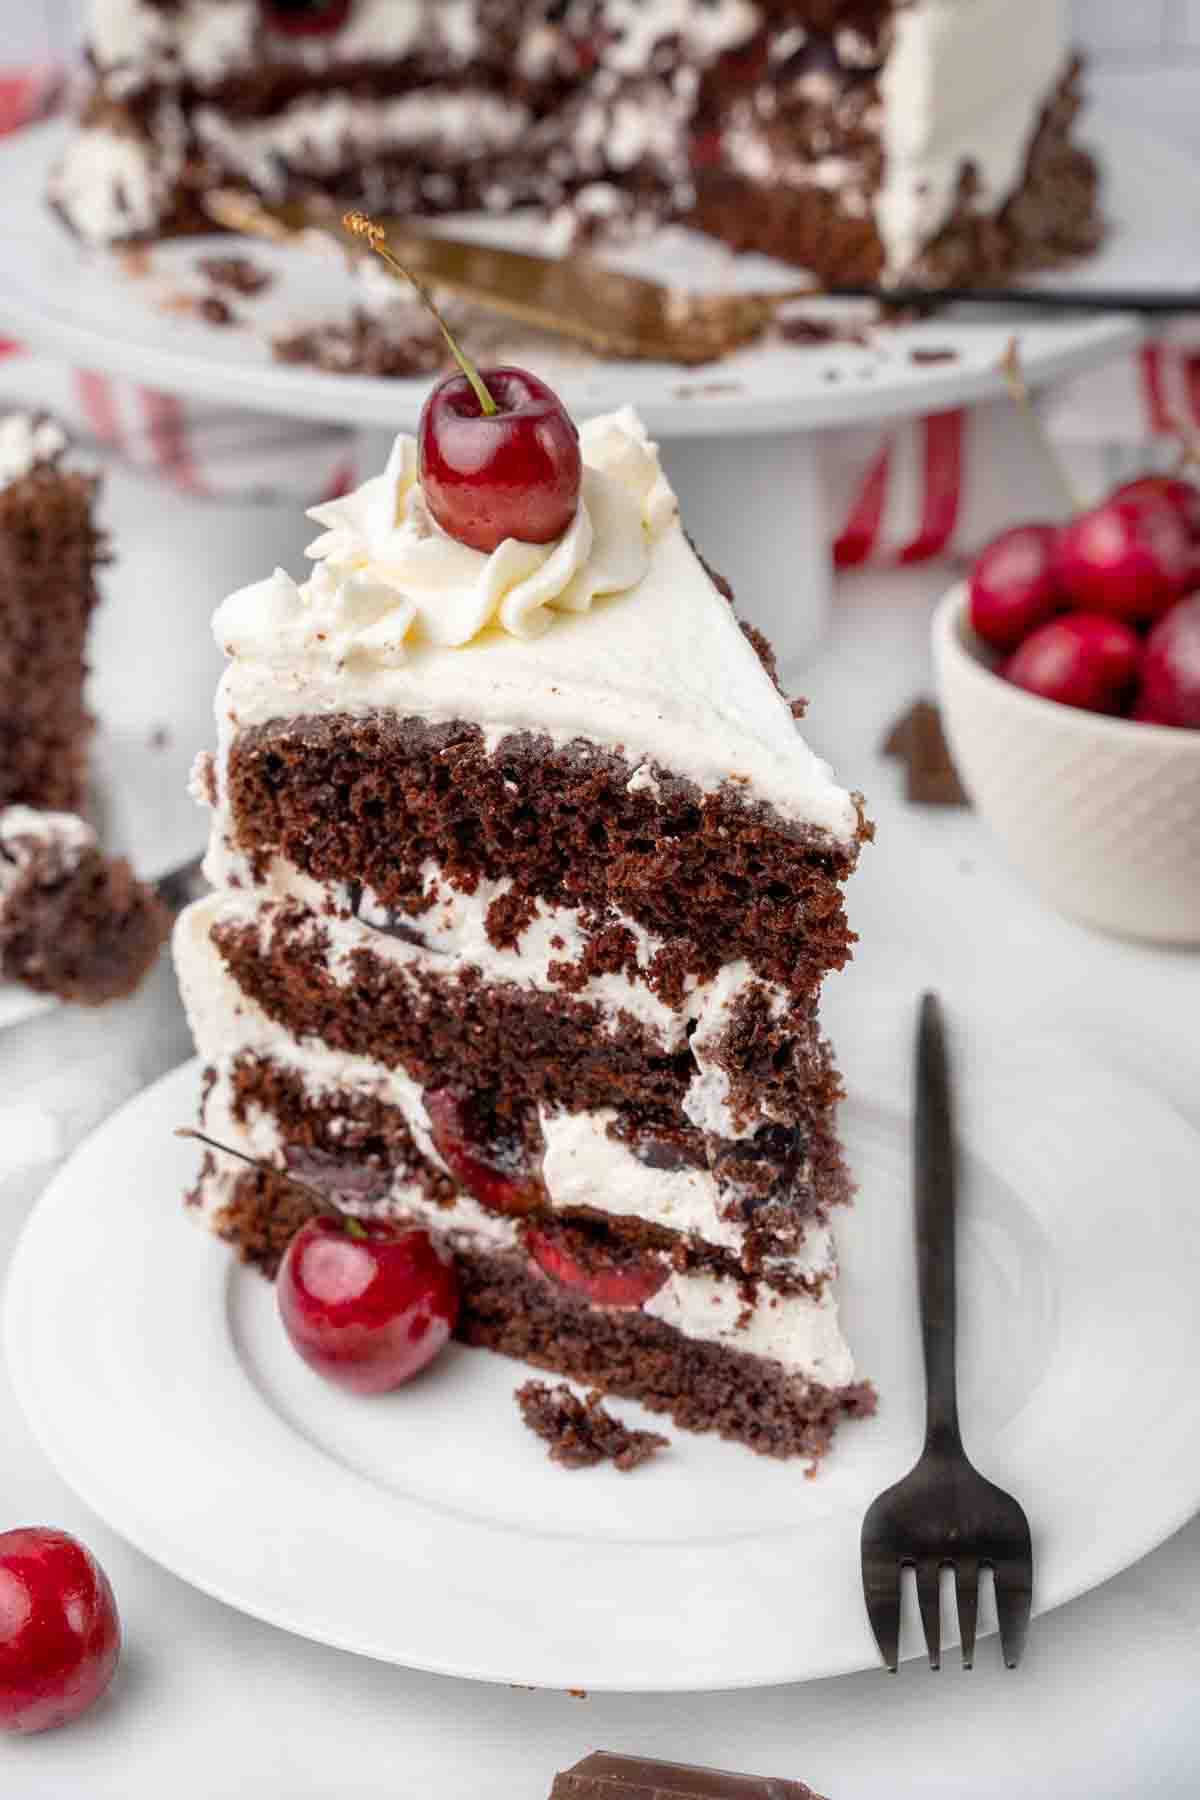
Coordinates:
1102 815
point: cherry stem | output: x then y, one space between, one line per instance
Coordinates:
315 1194
1189 445
359 225
1014 375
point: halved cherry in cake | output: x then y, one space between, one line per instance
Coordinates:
485 1159
622 1279
367 1302
306 18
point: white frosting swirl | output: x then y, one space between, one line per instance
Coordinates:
388 574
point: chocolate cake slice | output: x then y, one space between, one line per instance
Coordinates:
73 922
525 885
50 548
923 140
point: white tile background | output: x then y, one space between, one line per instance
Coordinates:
1145 54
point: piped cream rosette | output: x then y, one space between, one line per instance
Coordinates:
388 577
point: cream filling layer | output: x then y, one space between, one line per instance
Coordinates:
584 1166
798 1331
455 933
339 129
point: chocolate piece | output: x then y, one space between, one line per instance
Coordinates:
917 740
582 1433
606 1776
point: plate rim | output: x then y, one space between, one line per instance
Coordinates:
18 1299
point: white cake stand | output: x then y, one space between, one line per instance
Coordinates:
744 437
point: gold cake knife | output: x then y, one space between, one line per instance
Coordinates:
614 314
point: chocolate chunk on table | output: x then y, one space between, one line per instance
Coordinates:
606 1776
917 740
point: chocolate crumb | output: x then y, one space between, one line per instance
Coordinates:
237 273
160 737
931 354
216 311
581 1433
362 345
918 742
801 330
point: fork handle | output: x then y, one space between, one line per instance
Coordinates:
935 1201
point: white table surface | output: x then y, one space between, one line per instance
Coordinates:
210 1704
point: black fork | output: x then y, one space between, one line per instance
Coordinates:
944 1514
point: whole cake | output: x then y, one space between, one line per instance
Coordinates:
50 547
862 139
526 883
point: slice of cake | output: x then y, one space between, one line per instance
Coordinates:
73 922
50 548
926 139
526 883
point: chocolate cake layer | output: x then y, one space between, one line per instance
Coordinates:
357 1145
50 548
373 799
506 1308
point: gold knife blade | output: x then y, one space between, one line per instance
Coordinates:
614 314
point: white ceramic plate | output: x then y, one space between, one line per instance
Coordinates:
81 305
427 1528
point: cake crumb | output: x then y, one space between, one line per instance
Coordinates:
581 1433
237 273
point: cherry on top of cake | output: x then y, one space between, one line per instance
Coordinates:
498 452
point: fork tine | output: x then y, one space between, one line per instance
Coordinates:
1013 1603
966 1579
881 1590
929 1575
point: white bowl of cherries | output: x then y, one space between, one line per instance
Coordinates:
1068 670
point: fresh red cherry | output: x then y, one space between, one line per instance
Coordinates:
60 1637
1183 496
494 1169
1014 585
511 473
367 1303
306 18
571 1261
1129 558
1170 686
1083 659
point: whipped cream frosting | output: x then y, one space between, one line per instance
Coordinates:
658 671
964 83
387 572
26 441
